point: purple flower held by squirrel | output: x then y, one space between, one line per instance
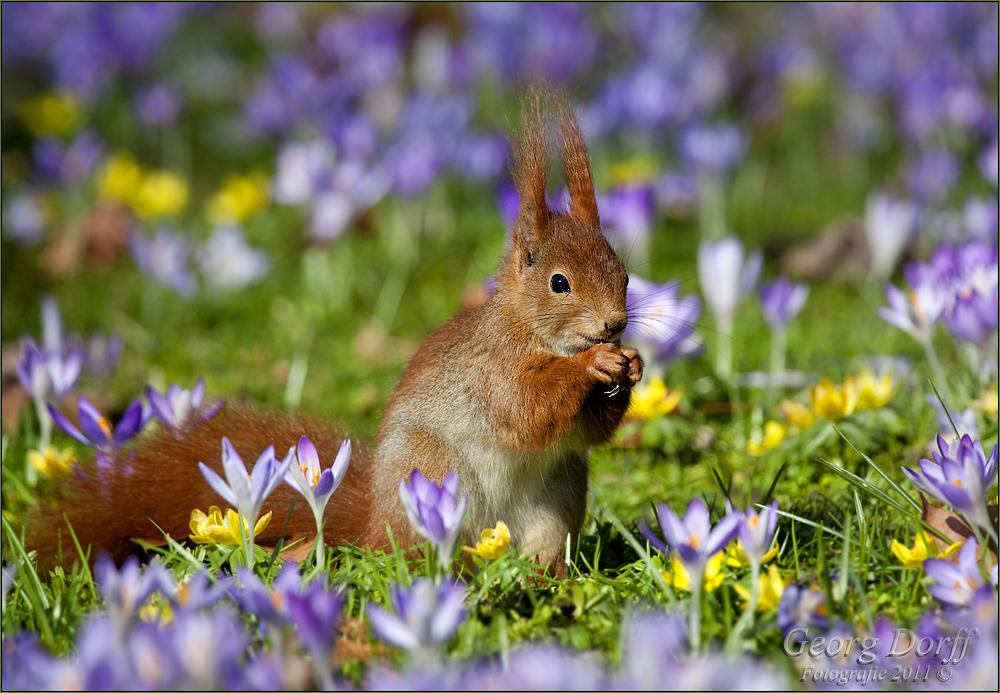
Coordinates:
693 538
96 430
958 475
176 405
435 510
956 583
781 300
426 616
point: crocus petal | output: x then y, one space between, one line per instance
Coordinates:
307 454
217 484
448 614
66 425
90 423
722 533
130 424
324 486
160 406
340 464
390 628
651 537
198 393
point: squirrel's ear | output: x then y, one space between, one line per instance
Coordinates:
531 173
576 165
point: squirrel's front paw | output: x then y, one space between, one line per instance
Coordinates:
634 365
606 363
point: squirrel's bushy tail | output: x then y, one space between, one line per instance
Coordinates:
157 480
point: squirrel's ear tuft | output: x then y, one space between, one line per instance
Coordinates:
531 173
576 164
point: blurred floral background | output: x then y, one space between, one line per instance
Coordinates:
285 199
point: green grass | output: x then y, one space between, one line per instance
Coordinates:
400 279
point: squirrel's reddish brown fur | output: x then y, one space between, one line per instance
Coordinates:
157 480
509 395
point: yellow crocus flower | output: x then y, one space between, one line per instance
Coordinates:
239 198
638 169
52 461
873 392
57 113
833 402
924 547
160 193
212 529
492 544
772 586
119 178
652 400
774 434
798 415
678 577
987 403
736 557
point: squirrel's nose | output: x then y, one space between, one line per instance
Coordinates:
615 325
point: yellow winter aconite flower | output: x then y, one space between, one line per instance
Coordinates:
160 193
873 392
492 544
652 400
924 547
52 461
637 169
57 113
772 586
987 402
678 577
239 198
774 434
798 415
119 178
833 402
736 557
212 529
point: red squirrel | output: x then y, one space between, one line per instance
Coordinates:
510 395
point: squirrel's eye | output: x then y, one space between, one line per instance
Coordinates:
559 284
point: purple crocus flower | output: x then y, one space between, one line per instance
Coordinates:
126 589
654 643
914 313
727 276
508 204
712 149
314 609
158 106
228 262
627 215
96 431
24 218
435 510
247 491
48 373
781 300
972 317
176 405
426 616
661 322
270 605
165 258
956 584
932 176
802 613
756 531
989 162
307 476
693 538
958 475
889 225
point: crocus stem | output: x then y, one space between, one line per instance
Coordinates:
779 341
44 424
246 539
939 377
724 349
746 619
694 619
711 208
320 546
